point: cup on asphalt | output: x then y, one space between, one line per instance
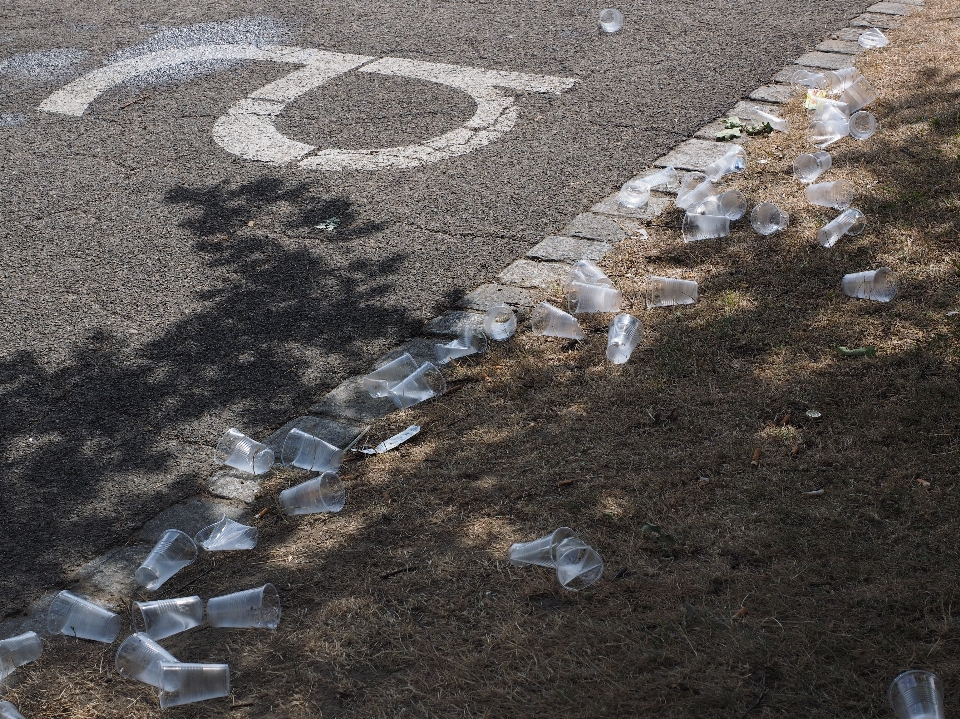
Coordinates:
551 321
810 165
500 323
19 650
422 384
705 227
862 125
849 222
837 194
250 609
188 683
836 81
587 272
734 161
879 285
826 132
872 38
669 291
226 535
174 551
859 94
302 449
239 451
578 565
470 342
777 123
916 694
731 204
542 551
139 658
77 617
165 617
379 382
611 19
9 711
694 188
634 194
582 298
622 338
325 493
767 218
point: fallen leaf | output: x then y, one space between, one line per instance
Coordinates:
741 613
755 461
565 482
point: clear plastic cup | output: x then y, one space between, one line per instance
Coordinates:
426 382
694 188
767 218
858 95
666 177
731 204
9 711
302 449
174 551
139 658
879 285
542 552
188 683
836 81
622 338
166 617
250 609
379 382
634 194
862 125
837 194
239 451
325 493
611 19
831 111
705 227
916 694
805 78
19 650
810 165
872 38
586 271
583 298
500 323
470 342
734 161
849 222
226 535
777 123
669 291
824 134
578 565
77 617
551 321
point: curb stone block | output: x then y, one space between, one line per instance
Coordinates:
849 34
569 249
189 516
109 579
693 154
783 77
654 208
454 322
540 275
488 295
772 93
826 60
879 20
745 110
659 191
850 47
233 484
601 227
351 401
892 8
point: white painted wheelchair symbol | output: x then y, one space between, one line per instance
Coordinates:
248 128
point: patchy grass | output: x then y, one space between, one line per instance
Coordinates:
772 592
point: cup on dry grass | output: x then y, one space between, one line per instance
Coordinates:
849 222
304 450
226 535
325 493
879 285
542 551
705 227
586 272
470 342
767 218
500 323
777 123
837 194
622 338
78 617
9 711
826 132
165 617
425 382
669 291
810 165
872 38
19 650
583 298
805 78
172 552
734 161
859 94
862 125
551 321
187 683
916 694
836 81
250 609
139 658
239 451
578 565
634 194
379 382
731 204
694 189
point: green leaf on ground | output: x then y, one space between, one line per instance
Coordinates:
764 128
728 134
732 122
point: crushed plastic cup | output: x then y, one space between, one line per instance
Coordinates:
249 609
226 535
806 78
916 694
705 227
325 493
470 342
810 165
139 658
500 323
858 95
302 449
583 298
634 194
766 218
777 123
19 650
587 272
611 19
669 291
165 617
622 338
879 285
849 222
187 683
665 178
239 451
730 204
831 111
694 188
426 382
862 125
551 321
837 194
9 711
379 382
872 38
578 565
734 161
836 81
174 551
824 133
541 552
77 617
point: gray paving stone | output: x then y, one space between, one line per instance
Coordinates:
892 8
654 208
454 322
745 110
190 516
783 77
539 275
850 47
351 401
339 434
488 295
660 190
32 619
233 484
569 249
772 93
848 34
826 60
601 227
693 154
109 579
875 19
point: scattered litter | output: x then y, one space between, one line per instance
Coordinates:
837 194
226 535
469 342
622 338
9 711
611 19
328 225
583 298
755 459
669 291
858 352
379 382
879 285
578 565
836 81
813 414
587 272
731 204
858 95
249 609
806 78
704 227
303 450
174 551
17 651
823 133
405 382
809 166
703 480
394 441
139 658
916 694
694 188
849 222
551 321
953 313
872 38
165 617
862 125
635 193
239 451
565 482
814 493
500 323
325 493
262 513
734 161
187 683
766 218
77 617
770 120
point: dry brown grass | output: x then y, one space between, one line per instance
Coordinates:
814 602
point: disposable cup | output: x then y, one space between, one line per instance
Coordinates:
694 188
426 382
858 95
470 342
849 222
174 551
139 658
582 298
77 617
19 650
634 194
665 178
872 38
837 194
188 683
879 285
767 218
166 617
379 382
239 451
669 291
916 694
810 165
734 161
586 271
836 81
705 227
578 565
9 711
831 110
622 338
304 450
542 551
249 609
611 19
824 133
226 535
805 78
325 493
551 321
862 125
500 323
731 204
777 123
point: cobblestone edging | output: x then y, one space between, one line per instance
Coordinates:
339 415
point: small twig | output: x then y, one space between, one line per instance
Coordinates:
411 568
135 100
763 693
